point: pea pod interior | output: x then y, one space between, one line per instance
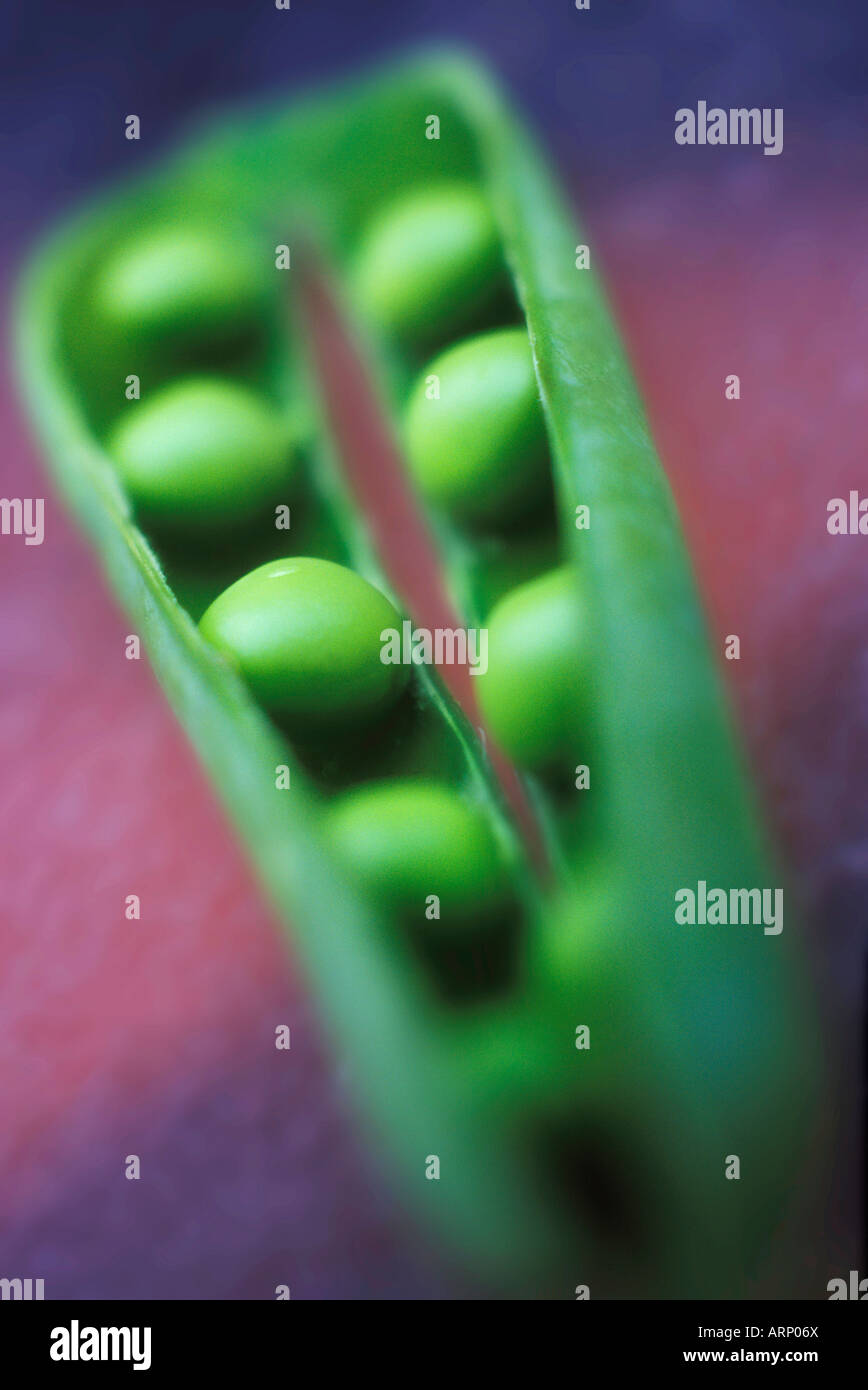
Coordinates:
697 1040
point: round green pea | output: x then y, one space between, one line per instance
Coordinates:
532 693
431 263
407 840
474 429
183 286
203 453
305 635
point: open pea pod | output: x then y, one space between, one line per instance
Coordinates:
565 1157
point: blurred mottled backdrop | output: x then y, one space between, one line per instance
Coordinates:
158 1042
604 83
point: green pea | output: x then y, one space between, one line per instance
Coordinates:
407 840
533 693
203 453
182 285
431 263
474 429
305 635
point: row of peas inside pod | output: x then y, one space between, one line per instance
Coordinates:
475 439
221 445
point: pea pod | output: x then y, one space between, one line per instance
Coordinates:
557 1165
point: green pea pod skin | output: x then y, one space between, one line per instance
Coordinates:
723 1012
700 1041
